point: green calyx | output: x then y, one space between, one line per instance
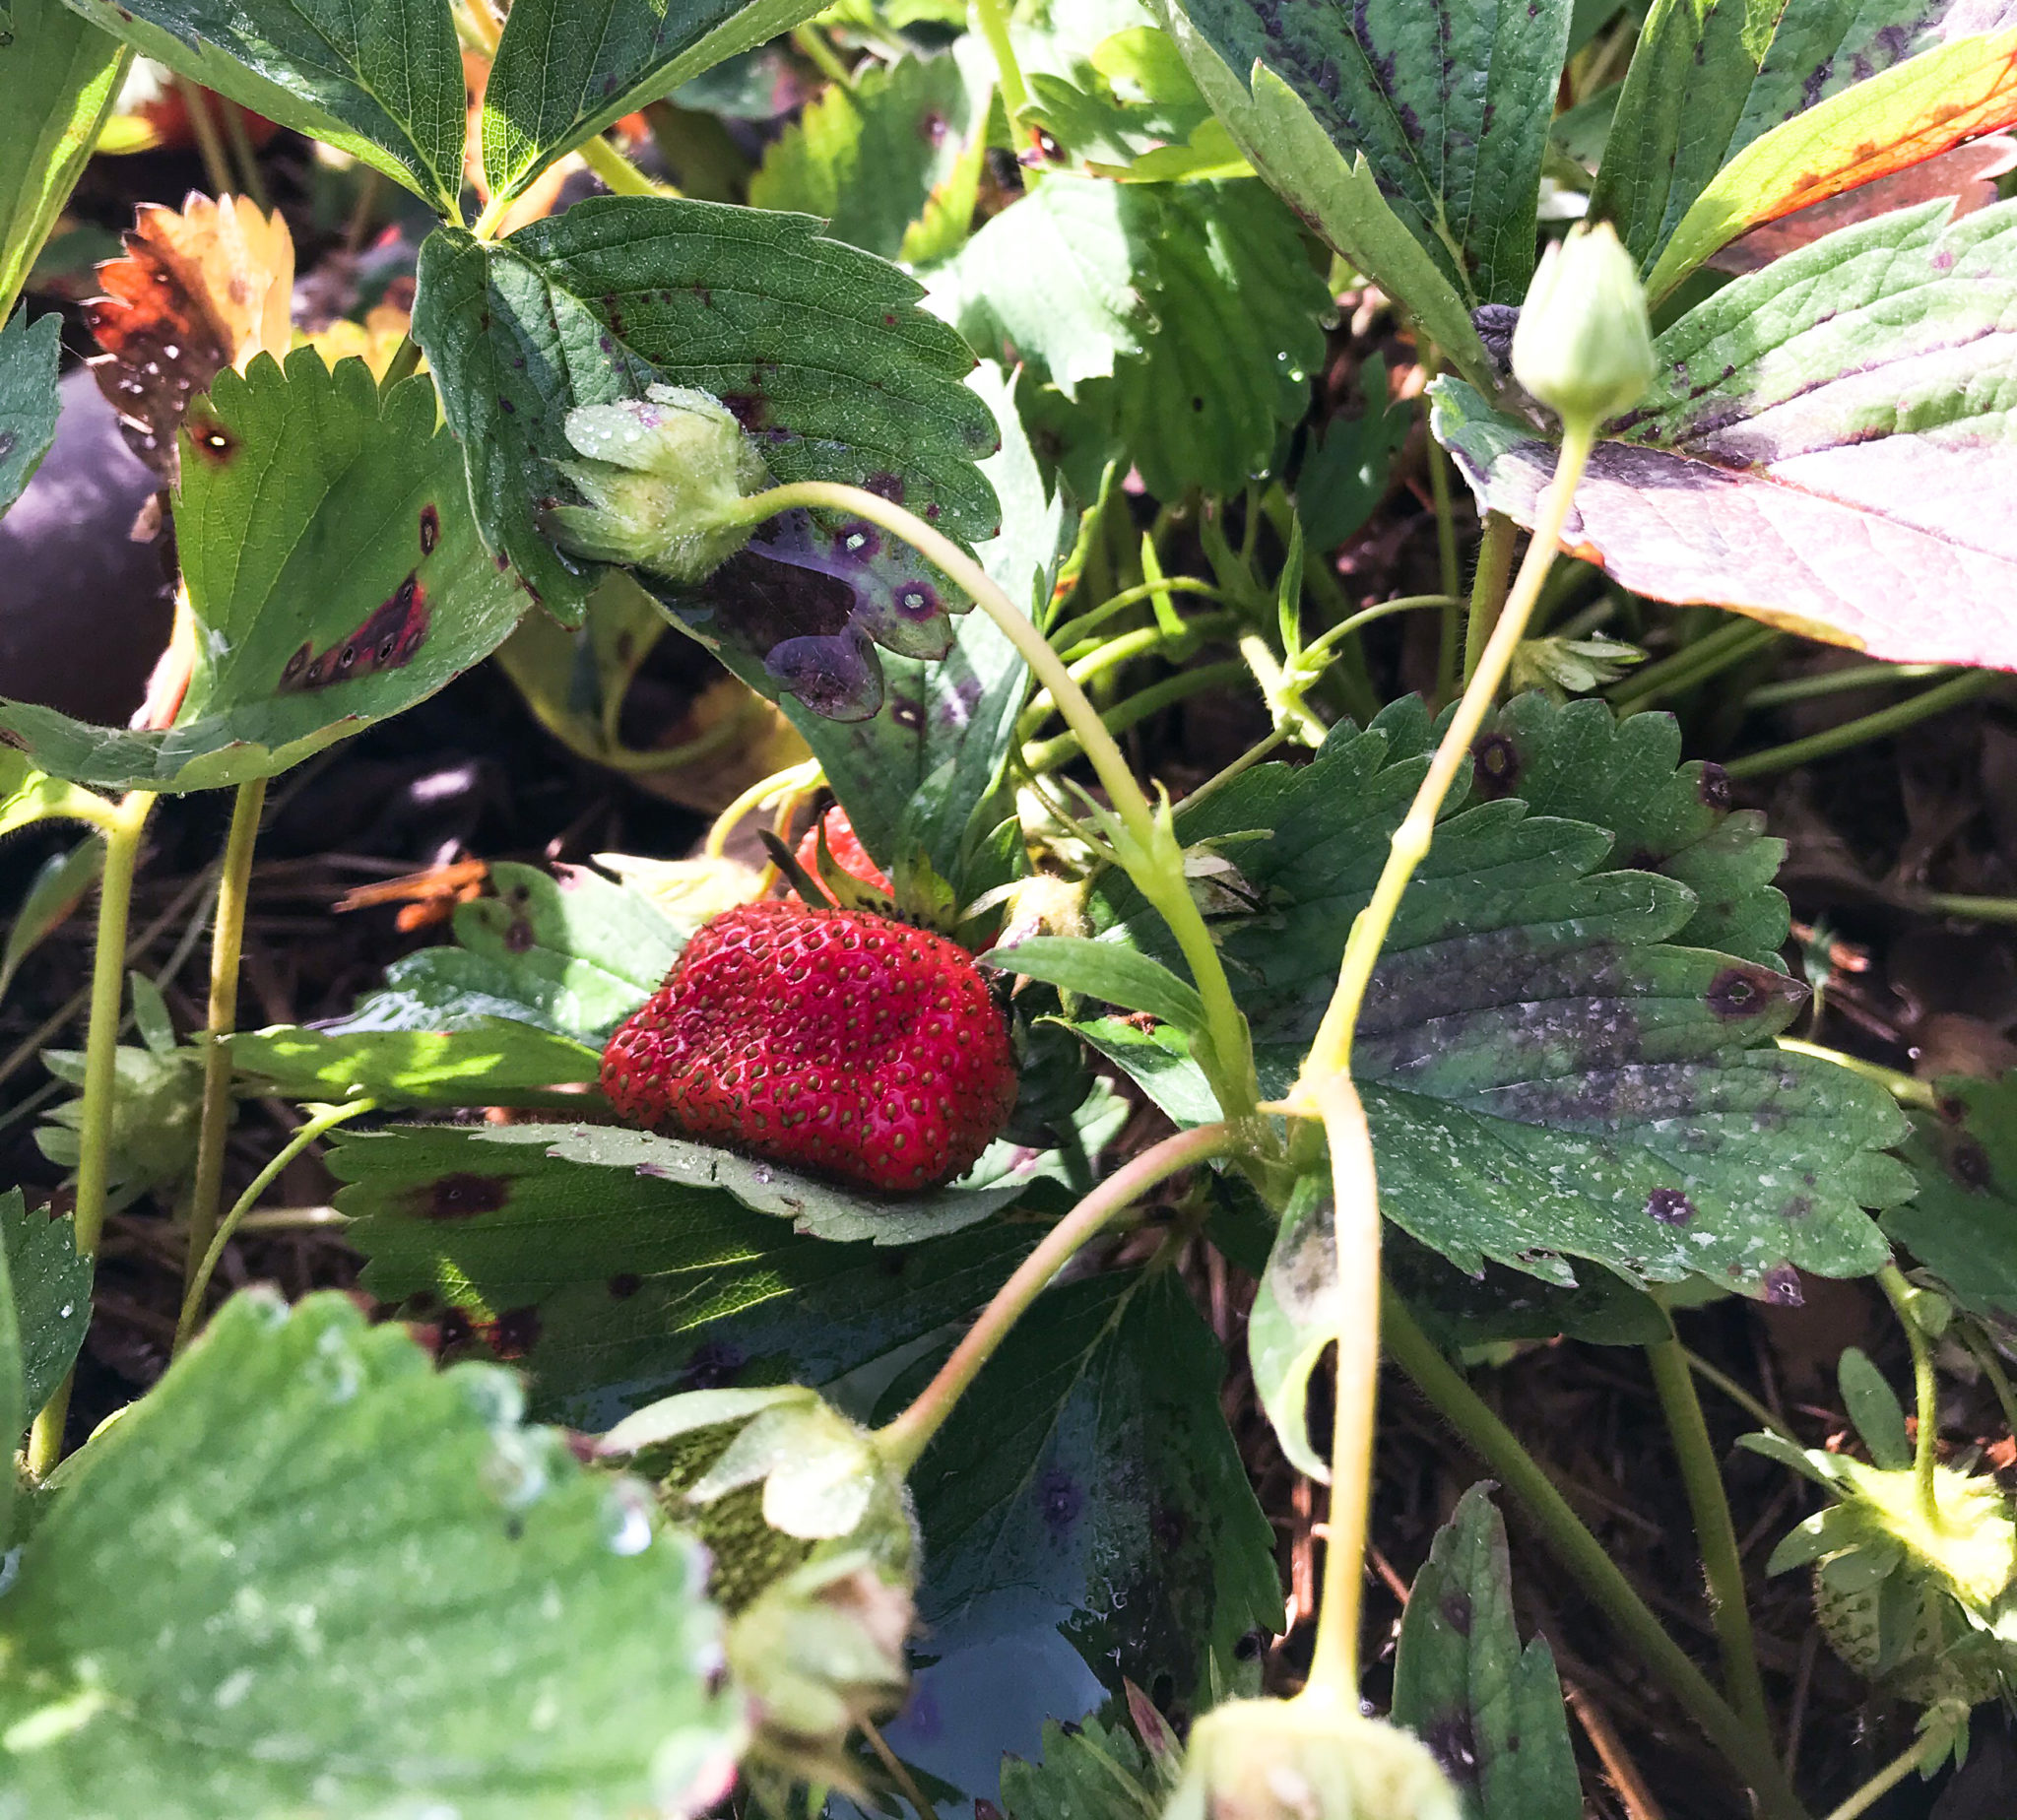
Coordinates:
664 477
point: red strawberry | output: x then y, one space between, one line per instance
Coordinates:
830 1040
845 845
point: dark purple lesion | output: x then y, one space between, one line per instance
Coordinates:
388 639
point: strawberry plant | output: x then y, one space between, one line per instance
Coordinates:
856 1318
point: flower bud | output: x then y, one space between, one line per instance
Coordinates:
662 475
1307 1760
1583 346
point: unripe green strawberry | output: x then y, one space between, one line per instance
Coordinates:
833 1041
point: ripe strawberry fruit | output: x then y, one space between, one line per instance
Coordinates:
846 847
836 1042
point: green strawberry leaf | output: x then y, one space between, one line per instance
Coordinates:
50 1296
1187 316
929 763
308 1573
1490 1711
817 348
28 398
1296 1317
1795 461
334 572
1448 102
58 80
1110 971
1546 1075
1338 194
1578 761
1091 1771
563 71
495 1062
613 1288
1962 1225
1708 82
1461 1309
381 79
869 159
1085 1514
14 1417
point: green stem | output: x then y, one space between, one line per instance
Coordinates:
812 44
1152 853
227 944
1125 648
1837 681
1903 1089
1355 1225
1923 1752
1737 1395
1043 755
1584 1557
243 154
1331 1052
1450 569
619 176
1886 721
1716 1535
1488 587
1705 657
1966 909
994 21
325 1118
210 144
905 1439
1075 632
123 827
1925 1394
1326 642
1984 1353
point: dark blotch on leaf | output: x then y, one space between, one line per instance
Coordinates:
1713 786
1457 1612
1969 1164
1797 1207
1062 1498
1670 1207
625 1284
1782 1286
213 442
518 936
514 1332
1745 991
458 1197
749 409
1454 1745
430 528
1495 767
712 1367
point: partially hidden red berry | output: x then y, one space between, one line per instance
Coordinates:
836 1042
846 847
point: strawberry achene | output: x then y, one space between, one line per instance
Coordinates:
837 1042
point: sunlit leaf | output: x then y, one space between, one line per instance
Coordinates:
1826 447
380 80
497 1062
58 79
27 399
307 1572
335 574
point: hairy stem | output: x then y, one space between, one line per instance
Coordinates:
905 1439
1925 1392
227 944
123 827
1881 725
1922 1753
1488 588
1355 1224
994 22
1715 1536
322 1119
1331 1052
1586 1558
1154 860
618 175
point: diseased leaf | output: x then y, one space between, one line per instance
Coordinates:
869 159
1448 102
1962 1225
58 80
334 572
497 1062
1186 316
27 399
1914 112
567 952
378 79
565 71
612 1289
818 350
1336 194
1490 1711
1826 447
1296 1316
1085 1487
1709 80
51 1290
1546 1075
307 1572
1663 815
